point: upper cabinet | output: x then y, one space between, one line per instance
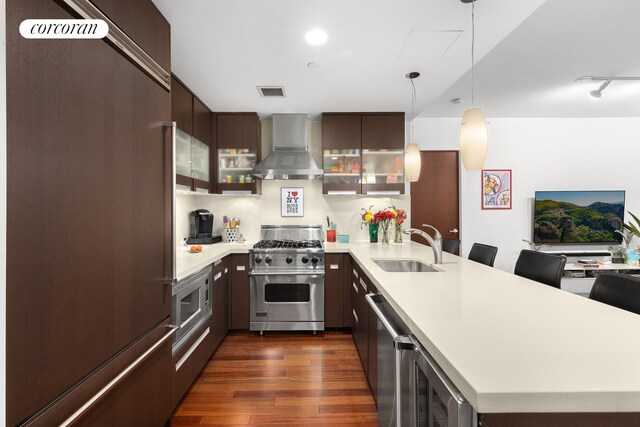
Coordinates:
363 153
238 151
144 24
194 139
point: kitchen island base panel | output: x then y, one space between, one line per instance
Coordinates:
597 419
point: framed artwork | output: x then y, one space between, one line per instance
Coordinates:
496 189
292 201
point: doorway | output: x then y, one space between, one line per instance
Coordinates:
435 197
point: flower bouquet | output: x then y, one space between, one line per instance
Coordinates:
368 219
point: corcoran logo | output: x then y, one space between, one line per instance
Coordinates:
64 29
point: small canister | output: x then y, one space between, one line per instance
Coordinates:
248 179
229 179
241 179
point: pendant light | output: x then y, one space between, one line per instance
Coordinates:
412 159
473 130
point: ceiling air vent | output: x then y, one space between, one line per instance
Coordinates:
271 91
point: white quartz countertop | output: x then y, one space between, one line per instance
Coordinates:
508 343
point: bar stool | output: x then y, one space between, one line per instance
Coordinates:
450 245
484 254
618 290
541 267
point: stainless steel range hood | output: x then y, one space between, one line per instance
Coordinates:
290 158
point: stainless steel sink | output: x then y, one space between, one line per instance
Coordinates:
404 266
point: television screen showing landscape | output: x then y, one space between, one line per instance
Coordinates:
578 216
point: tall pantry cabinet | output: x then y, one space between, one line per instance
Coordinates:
88 228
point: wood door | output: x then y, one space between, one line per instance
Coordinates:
346 290
435 197
333 290
372 345
86 176
240 291
181 106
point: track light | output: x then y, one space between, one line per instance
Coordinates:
597 94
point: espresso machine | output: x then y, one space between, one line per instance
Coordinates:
201 228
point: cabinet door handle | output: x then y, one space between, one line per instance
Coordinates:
364 286
355 315
355 273
226 270
240 268
334 266
74 417
454 231
355 287
217 276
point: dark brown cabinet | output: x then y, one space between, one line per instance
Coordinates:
363 153
239 148
333 291
193 118
143 23
90 143
189 361
239 291
181 106
372 346
220 301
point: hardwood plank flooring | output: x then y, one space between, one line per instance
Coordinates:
280 379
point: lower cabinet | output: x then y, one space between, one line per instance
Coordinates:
220 301
240 291
364 325
189 361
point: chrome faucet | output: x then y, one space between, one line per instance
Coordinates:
436 242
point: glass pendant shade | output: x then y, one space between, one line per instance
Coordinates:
473 139
412 162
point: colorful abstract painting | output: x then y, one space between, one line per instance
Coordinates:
496 189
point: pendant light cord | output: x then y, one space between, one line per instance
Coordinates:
473 42
413 101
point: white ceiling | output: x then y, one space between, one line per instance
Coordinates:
527 54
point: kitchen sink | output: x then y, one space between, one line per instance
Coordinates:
405 266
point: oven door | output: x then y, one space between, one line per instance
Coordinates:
438 403
287 297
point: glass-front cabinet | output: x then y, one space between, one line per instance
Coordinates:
363 153
192 163
382 170
235 165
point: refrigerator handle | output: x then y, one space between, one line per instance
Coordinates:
169 132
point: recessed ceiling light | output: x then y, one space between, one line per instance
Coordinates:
316 37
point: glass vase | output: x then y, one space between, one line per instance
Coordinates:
384 232
373 233
398 238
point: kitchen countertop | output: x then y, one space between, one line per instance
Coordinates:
508 343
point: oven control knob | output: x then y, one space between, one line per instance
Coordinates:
305 259
258 260
289 260
268 259
314 260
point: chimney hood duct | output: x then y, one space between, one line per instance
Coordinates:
290 158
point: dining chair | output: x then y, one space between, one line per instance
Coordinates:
450 245
484 254
619 290
541 267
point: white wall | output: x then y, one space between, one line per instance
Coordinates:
254 211
545 154
3 211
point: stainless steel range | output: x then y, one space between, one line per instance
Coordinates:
286 272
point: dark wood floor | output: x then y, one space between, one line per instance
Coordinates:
281 379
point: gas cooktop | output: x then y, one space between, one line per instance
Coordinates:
288 244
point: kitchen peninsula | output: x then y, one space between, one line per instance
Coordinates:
511 345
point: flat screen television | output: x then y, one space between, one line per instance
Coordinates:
581 217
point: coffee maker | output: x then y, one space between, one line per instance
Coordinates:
201 228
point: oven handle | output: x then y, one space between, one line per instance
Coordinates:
186 322
316 273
